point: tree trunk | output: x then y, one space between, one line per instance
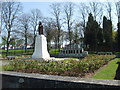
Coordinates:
34 41
58 26
8 43
69 32
25 41
59 38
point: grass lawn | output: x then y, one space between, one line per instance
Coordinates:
54 51
109 71
28 52
16 51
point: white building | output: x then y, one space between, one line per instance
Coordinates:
74 50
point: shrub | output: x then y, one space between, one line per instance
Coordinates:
65 67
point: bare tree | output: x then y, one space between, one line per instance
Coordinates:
24 20
118 10
68 10
49 27
83 11
35 17
79 31
4 39
56 12
10 12
109 9
96 9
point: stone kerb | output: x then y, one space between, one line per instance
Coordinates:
16 79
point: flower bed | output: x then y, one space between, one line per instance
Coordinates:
68 67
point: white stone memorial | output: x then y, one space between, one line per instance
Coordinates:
41 52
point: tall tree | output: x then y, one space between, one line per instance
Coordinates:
118 31
24 24
96 9
49 27
118 36
69 10
56 12
10 12
84 14
88 33
91 33
118 10
35 17
109 10
78 31
107 32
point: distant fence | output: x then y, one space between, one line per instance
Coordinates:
25 80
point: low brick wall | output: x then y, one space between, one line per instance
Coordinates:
25 80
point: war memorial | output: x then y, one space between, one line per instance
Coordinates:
74 67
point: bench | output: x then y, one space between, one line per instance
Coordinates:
10 57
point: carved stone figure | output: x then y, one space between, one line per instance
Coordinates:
41 52
40 28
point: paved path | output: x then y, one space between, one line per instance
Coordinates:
50 59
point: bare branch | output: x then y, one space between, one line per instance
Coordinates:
68 10
10 11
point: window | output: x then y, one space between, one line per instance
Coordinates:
80 51
77 51
74 51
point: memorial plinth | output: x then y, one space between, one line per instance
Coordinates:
41 52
